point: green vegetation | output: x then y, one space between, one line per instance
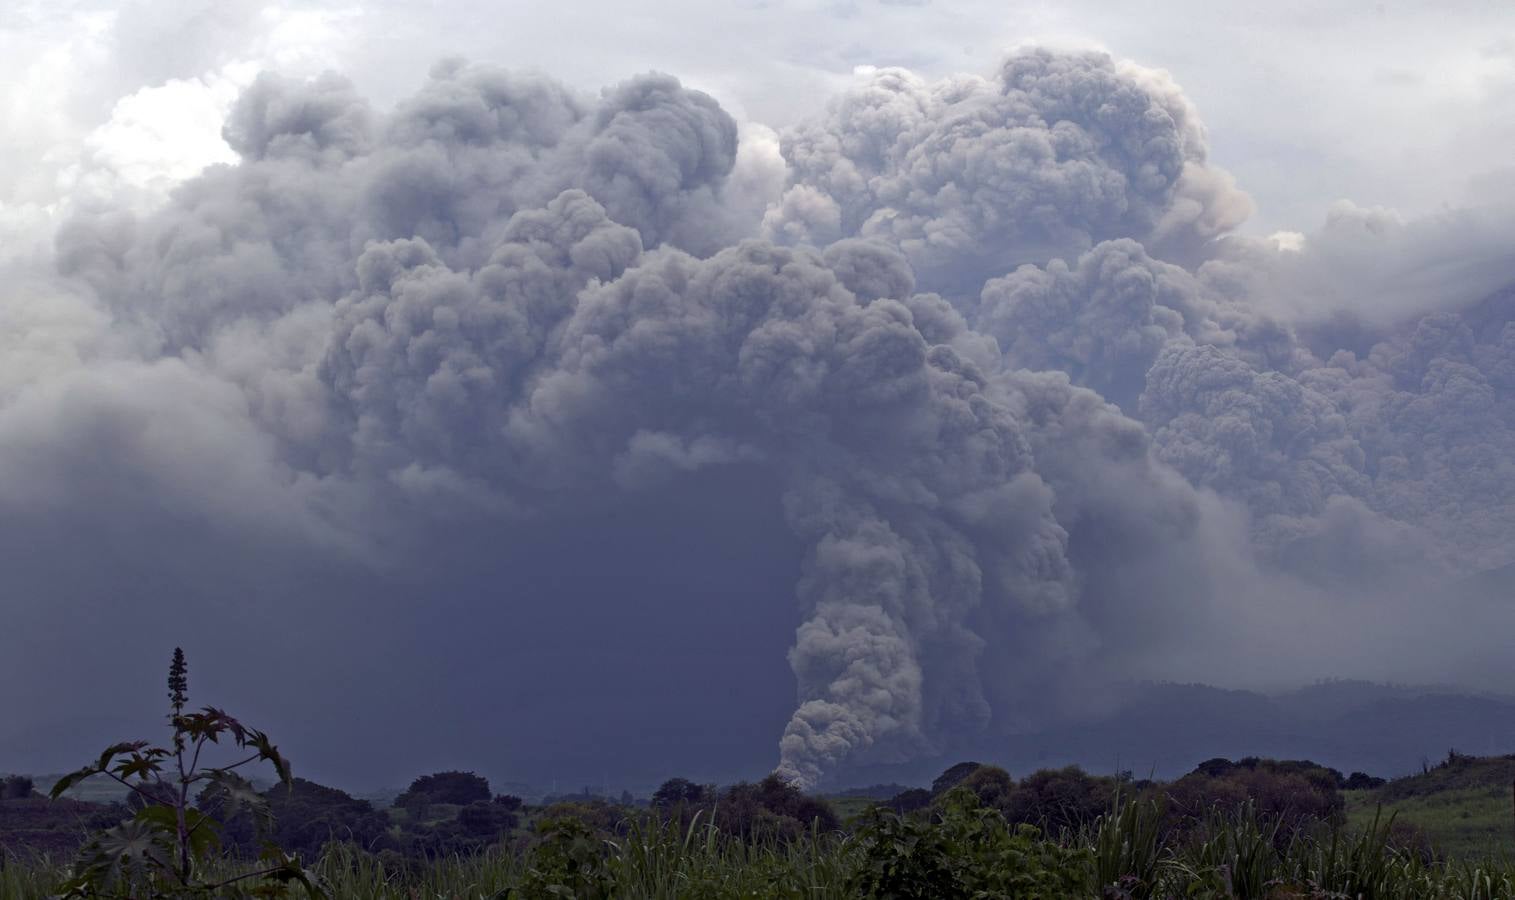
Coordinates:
1462 807
1252 828
957 848
170 846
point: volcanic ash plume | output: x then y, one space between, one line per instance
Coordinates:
1018 394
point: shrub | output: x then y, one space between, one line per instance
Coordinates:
965 851
953 777
457 788
772 808
1361 781
991 784
486 820
601 817
15 787
908 801
678 792
1288 791
1059 799
306 816
568 861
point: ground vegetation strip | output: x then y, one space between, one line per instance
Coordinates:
1250 828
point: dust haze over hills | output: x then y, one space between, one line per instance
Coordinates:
549 433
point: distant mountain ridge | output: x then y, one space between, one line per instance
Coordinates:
1165 729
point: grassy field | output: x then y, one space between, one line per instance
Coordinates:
963 851
1465 806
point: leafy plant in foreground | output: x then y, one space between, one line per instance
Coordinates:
164 850
966 851
569 862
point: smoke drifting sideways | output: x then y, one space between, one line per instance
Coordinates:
1030 412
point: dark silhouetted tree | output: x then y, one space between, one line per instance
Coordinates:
676 792
1055 799
991 784
953 777
456 788
486 820
909 801
771 808
15 787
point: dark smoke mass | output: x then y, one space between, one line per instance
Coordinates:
972 382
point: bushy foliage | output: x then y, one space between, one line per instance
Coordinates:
486 820
952 777
306 816
676 792
599 816
451 814
1054 800
1288 791
567 861
772 808
455 788
1060 799
965 850
1362 781
908 801
957 849
992 786
16 787
769 809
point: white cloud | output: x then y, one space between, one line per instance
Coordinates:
1307 102
157 137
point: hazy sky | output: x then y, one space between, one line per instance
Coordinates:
884 375
1402 104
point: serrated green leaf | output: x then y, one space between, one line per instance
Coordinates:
71 779
114 750
138 766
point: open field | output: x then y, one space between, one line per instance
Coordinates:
1464 806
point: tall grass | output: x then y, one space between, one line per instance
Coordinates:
25 878
1133 852
1128 847
661 861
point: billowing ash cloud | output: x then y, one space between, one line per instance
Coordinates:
323 176
1286 418
908 481
1017 400
971 176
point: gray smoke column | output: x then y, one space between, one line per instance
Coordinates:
498 338
909 483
